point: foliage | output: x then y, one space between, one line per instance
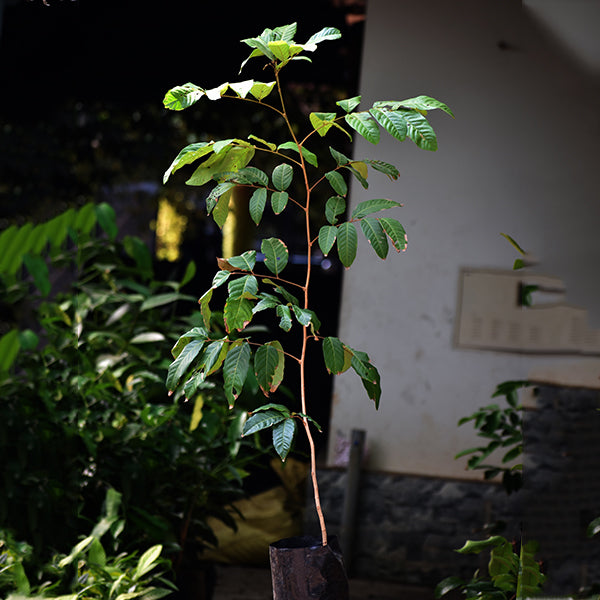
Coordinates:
512 573
503 427
298 180
84 404
88 571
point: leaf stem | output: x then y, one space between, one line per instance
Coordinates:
313 459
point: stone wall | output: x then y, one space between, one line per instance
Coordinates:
408 527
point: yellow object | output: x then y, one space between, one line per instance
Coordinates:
266 517
170 226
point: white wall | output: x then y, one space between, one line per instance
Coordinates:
521 157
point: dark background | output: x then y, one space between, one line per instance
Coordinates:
81 114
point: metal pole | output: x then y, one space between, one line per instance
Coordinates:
350 500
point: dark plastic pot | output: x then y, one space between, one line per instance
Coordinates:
303 569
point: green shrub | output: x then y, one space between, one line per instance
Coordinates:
84 405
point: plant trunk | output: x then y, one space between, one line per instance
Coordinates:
302 568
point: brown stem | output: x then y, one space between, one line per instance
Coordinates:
309 242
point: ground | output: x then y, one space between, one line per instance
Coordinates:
245 583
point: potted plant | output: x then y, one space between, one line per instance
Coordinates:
297 181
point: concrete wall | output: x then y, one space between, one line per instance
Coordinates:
520 158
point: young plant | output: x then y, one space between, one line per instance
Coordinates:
298 179
503 430
513 572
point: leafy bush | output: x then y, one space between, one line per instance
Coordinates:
88 570
85 407
503 430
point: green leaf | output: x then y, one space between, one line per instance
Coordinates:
180 365
421 103
213 356
477 546
512 454
364 124
266 301
258 201
369 375
38 269
251 175
242 88
327 237
335 206
309 157
347 243
282 176
530 577
392 121
513 243
593 528
448 585
269 145
280 50
395 232
285 32
190 272
147 562
371 206
245 261
322 122
261 90
139 251
276 255
281 290
327 33
259 44
285 317
188 155
163 299
420 131
217 92
96 554
467 451
182 96
390 170
235 369
219 190
204 303
303 316
146 337
375 234
359 170
76 551
279 201
220 278
197 333
283 437
231 158
269 361
349 104
340 159
237 313
262 420
107 219
284 410
246 287
28 340
336 356
337 182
